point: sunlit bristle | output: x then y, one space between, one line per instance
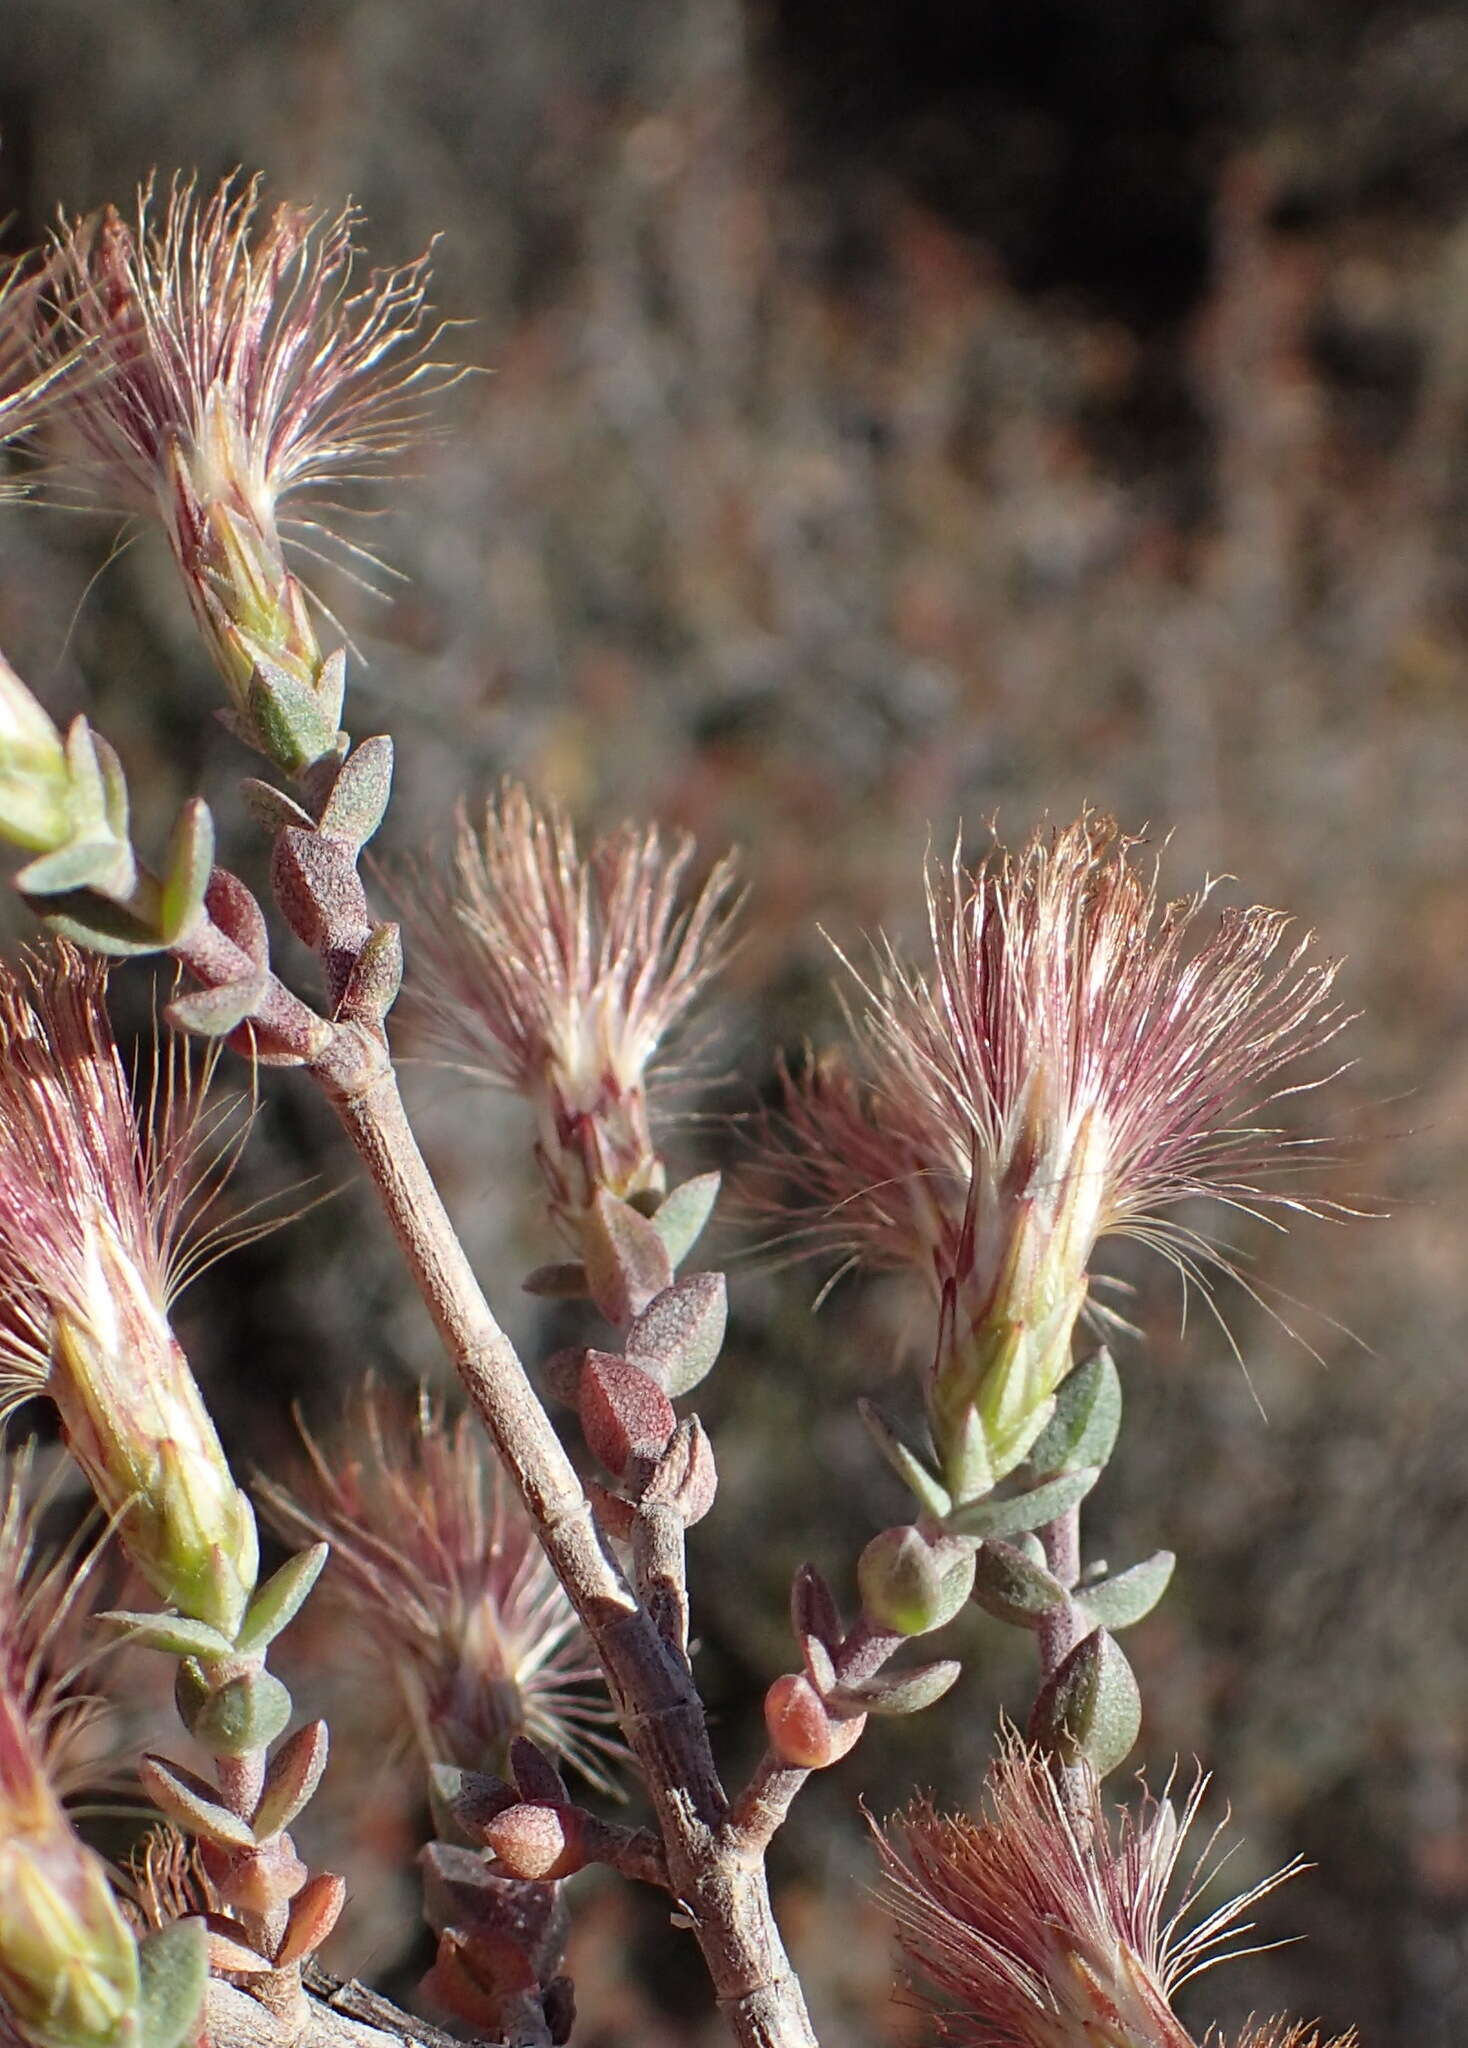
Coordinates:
439 1571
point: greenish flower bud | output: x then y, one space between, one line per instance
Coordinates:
911 1585
68 1962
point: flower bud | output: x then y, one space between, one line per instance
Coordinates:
909 1585
802 1732
68 1962
136 1424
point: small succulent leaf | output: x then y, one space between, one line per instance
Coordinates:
176 1635
820 1667
898 1692
228 1949
280 1599
535 1775
358 799
1118 1602
81 864
330 685
968 1466
376 976
560 1374
1087 1417
190 1691
681 1216
287 718
314 1911
1023 1511
173 1963
928 1490
563 1281
234 909
89 794
245 1713
1010 1586
1090 1710
215 1012
186 870
114 788
686 1477
813 1610
99 926
627 1262
272 809
678 1336
624 1413
291 1780
193 1804
472 1797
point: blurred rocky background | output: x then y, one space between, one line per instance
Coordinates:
899 415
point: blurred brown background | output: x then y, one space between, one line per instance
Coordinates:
899 414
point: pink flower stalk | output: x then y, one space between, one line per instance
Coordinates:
1079 1059
437 1568
1032 1927
103 1216
238 369
562 977
69 1974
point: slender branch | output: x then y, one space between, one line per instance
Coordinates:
336 2015
723 1894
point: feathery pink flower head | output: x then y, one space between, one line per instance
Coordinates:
100 1215
69 1974
438 1568
35 359
1034 1927
562 977
1079 1058
237 369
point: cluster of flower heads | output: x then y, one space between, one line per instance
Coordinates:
436 1566
1037 1926
104 1214
562 977
1079 1058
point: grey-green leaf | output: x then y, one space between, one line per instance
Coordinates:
899 1692
680 1217
922 1483
243 1715
1021 1511
1012 1587
1091 1709
174 1966
1118 1602
174 1634
1083 1428
279 1599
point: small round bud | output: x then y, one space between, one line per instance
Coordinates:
536 1841
910 1585
801 1731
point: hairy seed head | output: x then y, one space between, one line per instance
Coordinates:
437 1568
1032 1928
1078 1059
99 1216
562 977
237 370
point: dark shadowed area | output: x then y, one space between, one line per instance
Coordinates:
901 416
